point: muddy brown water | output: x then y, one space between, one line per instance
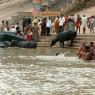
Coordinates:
40 72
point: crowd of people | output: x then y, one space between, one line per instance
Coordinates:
37 28
42 27
65 23
29 33
87 52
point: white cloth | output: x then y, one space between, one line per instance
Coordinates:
13 30
56 19
48 23
73 18
92 21
5 29
61 21
39 23
84 22
15 26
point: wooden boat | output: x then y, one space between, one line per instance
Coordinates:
10 39
9 36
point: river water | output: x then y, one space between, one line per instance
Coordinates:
40 72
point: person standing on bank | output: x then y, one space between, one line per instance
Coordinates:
48 26
2 26
43 27
56 24
84 23
36 32
78 23
71 25
61 23
91 24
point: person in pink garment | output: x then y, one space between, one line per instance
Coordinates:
78 23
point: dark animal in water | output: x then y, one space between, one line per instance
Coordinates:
64 36
26 44
21 44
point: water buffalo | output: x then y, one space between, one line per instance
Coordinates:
26 44
21 44
3 45
64 36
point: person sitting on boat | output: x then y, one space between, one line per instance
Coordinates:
6 29
13 29
17 26
19 33
29 35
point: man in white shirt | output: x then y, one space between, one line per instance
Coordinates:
61 23
84 23
13 29
48 26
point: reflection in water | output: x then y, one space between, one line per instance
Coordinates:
40 72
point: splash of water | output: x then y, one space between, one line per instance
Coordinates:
60 57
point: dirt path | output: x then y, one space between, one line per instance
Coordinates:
88 12
13 7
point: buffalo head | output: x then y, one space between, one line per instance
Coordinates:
53 42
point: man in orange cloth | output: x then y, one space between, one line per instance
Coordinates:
56 24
